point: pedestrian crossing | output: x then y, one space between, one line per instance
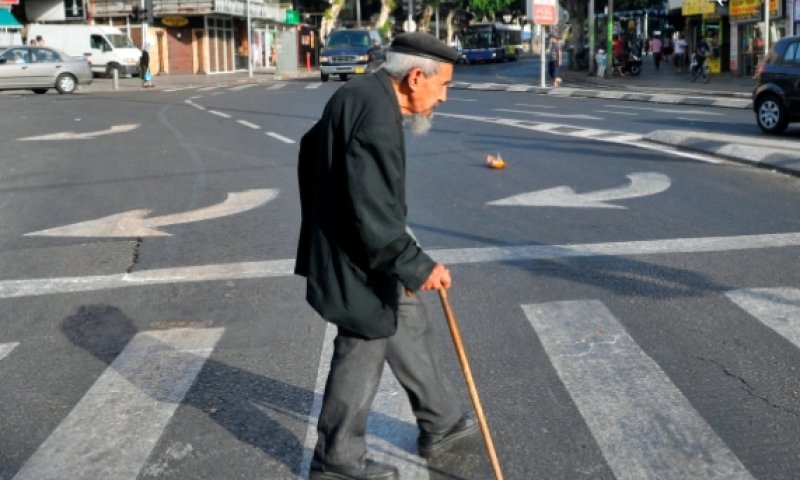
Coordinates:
642 423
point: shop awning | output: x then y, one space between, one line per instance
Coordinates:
7 19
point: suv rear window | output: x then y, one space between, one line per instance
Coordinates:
792 54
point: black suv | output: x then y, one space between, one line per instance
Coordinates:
776 98
351 52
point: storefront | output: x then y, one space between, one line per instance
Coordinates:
749 32
709 21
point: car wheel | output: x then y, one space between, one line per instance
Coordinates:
771 114
39 91
65 83
343 77
324 77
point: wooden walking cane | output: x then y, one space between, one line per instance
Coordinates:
473 391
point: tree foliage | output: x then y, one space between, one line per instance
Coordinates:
488 8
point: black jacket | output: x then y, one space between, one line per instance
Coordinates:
353 246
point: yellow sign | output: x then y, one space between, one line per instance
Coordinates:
750 9
174 21
698 7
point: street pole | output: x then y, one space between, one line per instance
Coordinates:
358 13
542 48
610 30
249 44
592 40
143 5
766 28
410 13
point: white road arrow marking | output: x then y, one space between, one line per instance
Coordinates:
642 184
82 136
133 223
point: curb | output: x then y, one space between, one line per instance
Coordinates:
783 160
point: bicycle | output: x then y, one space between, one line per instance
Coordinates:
698 71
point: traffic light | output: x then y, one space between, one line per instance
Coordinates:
142 15
136 14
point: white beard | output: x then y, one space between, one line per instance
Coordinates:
421 123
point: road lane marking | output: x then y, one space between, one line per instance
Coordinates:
390 409
205 89
114 427
280 137
277 86
313 86
6 348
248 124
128 127
576 116
136 223
630 114
219 114
239 88
643 424
534 105
454 256
667 110
777 308
641 184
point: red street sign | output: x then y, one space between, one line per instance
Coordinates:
545 12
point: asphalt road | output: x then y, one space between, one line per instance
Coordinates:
629 312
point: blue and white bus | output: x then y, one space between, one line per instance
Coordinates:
492 42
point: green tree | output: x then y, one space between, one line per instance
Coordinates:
488 9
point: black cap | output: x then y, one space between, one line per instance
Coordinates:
423 44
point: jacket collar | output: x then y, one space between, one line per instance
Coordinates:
386 82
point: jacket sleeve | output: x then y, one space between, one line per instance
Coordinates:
375 170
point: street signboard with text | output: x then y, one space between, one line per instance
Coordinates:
545 12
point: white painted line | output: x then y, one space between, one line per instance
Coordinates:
313 86
279 137
205 89
199 107
676 111
577 116
631 114
217 93
534 105
239 88
219 114
248 124
114 427
385 442
195 97
277 86
777 308
455 256
589 133
5 348
642 423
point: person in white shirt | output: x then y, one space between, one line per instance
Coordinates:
680 52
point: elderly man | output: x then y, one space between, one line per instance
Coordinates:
360 262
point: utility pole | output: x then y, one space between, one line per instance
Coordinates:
592 39
249 43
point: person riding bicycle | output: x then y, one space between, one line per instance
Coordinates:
702 52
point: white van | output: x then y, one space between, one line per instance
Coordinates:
107 48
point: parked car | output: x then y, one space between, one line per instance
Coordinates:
776 98
42 68
350 52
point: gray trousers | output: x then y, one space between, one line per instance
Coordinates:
355 374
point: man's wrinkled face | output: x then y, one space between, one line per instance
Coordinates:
427 93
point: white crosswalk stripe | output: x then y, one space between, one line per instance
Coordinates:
777 308
111 431
642 423
6 348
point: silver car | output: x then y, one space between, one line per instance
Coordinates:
41 68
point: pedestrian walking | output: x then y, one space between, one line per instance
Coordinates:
554 60
144 67
680 52
656 46
360 261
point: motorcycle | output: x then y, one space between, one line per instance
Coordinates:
631 66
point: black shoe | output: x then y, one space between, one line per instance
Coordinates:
367 470
432 444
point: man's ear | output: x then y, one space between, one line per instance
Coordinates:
413 78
